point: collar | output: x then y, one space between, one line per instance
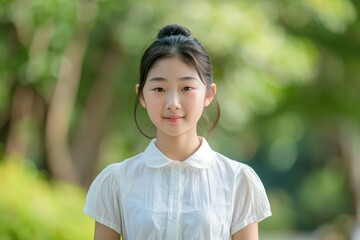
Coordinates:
202 158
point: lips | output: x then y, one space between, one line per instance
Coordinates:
173 119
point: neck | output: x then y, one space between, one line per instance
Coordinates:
178 148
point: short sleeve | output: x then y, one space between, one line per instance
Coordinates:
250 201
103 200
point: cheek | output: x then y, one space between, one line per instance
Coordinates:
153 107
146 99
195 102
197 99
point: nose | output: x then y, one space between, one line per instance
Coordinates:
173 102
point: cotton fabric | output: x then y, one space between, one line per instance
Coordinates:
207 196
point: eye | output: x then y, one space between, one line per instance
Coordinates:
187 88
159 89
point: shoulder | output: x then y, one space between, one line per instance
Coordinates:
112 177
114 171
131 162
229 164
241 172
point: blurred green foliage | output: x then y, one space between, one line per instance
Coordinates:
288 86
32 207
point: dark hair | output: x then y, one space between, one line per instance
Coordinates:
175 40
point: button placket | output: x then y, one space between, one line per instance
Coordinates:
174 201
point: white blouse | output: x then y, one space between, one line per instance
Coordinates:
149 196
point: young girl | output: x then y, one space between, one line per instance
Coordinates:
178 188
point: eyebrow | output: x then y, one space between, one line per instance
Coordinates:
160 79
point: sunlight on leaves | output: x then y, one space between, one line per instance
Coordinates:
336 15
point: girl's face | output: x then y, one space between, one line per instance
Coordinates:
174 97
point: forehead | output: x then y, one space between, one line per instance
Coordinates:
172 68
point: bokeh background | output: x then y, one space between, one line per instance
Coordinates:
288 76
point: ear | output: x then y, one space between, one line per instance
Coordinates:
142 101
210 93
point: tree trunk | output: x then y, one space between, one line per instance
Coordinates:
351 147
91 128
26 121
62 103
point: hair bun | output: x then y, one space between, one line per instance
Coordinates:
173 29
